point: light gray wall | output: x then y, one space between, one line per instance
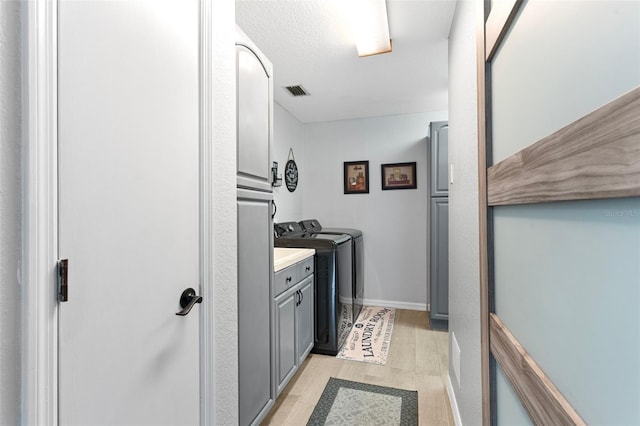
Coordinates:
394 222
10 209
464 287
288 132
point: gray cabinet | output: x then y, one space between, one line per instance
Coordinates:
256 353
439 150
254 117
294 320
285 336
439 259
304 320
255 349
439 226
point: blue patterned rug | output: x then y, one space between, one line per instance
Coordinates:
352 403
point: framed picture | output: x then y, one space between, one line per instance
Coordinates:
399 176
356 177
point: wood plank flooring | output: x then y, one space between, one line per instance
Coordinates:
417 360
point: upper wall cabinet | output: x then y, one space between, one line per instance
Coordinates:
439 145
255 115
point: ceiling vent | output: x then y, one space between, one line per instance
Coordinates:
296 90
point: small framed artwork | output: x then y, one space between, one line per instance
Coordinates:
399 176
356 177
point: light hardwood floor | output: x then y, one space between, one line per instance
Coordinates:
417 360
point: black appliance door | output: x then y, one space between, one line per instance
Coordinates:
344 313
334 298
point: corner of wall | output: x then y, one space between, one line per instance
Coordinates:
288 134
225 381
464 263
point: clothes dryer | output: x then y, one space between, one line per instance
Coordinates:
313 226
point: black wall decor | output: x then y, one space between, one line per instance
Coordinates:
291 172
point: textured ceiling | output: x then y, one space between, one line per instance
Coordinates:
310 43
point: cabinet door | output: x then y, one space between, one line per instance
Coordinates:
254 304
439 152
254 119
304 319
439 259
285 336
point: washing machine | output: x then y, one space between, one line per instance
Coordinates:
333 278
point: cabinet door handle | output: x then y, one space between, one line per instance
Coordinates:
297 297
301 296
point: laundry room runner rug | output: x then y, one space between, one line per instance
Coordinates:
370 336
352 403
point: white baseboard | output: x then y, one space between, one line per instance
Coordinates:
453 403
396 304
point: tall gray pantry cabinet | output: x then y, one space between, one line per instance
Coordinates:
439 226
256 354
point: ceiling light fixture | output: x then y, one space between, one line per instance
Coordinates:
371 27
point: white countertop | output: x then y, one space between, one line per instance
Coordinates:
283 257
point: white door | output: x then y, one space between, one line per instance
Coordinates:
129 211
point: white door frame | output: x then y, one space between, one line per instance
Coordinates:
40 216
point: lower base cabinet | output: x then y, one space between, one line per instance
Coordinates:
294 329
304 320
285 334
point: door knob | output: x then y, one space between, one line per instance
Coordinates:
187 300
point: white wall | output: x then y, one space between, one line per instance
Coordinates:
288 132
224 259
464 287
10 210
394 223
